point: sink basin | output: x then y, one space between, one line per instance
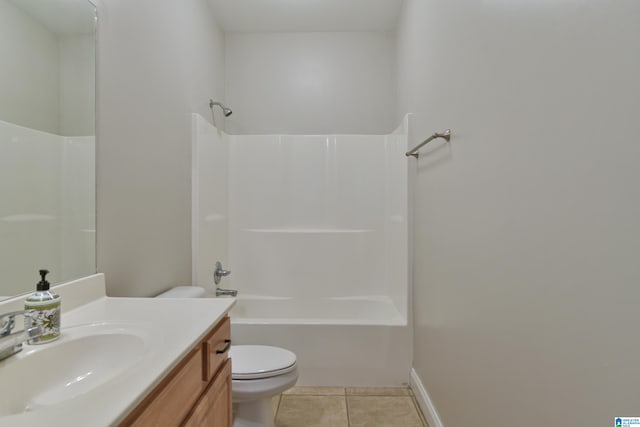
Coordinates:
83 358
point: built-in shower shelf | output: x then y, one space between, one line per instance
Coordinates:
28 218
309 230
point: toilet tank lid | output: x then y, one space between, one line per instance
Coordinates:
183 292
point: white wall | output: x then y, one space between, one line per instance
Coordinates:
29 87
310 83
157 63
47 80
526 224
77 84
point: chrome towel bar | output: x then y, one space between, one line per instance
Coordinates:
414 151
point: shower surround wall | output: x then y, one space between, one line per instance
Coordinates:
210 176
314 216
317 232
56 229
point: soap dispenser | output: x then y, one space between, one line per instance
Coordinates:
46 306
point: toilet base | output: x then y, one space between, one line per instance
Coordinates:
255 413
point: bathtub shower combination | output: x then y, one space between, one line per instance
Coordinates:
314 229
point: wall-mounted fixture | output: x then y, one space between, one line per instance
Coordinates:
227 112
446 135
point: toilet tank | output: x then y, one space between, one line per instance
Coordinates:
183 292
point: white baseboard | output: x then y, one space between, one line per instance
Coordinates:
423 399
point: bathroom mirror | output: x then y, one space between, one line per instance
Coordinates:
47 142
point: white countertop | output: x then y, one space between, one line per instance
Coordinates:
172 328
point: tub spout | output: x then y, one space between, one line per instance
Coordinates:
226 292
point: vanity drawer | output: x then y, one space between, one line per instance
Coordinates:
173 398
216 348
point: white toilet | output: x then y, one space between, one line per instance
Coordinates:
258 373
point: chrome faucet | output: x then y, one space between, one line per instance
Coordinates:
218 274
11 344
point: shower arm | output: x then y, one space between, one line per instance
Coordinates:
226 111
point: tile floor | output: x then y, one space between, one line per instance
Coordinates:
347 407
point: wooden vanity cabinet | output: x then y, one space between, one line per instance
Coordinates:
197 392
214 407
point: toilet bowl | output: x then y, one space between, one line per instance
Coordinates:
258 373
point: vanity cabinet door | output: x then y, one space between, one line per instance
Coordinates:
197 393
171 401
214 407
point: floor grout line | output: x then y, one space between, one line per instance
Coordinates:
346 405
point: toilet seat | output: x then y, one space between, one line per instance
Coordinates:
250 362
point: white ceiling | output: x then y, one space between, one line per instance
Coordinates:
306 15
61 16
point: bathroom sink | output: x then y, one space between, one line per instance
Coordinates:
81 360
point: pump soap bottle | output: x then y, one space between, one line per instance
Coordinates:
46 305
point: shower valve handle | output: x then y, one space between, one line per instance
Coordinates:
219 273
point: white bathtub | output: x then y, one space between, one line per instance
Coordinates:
362 341
377 310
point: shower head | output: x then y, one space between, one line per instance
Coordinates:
227 112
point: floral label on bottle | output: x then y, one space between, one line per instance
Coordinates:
48 317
